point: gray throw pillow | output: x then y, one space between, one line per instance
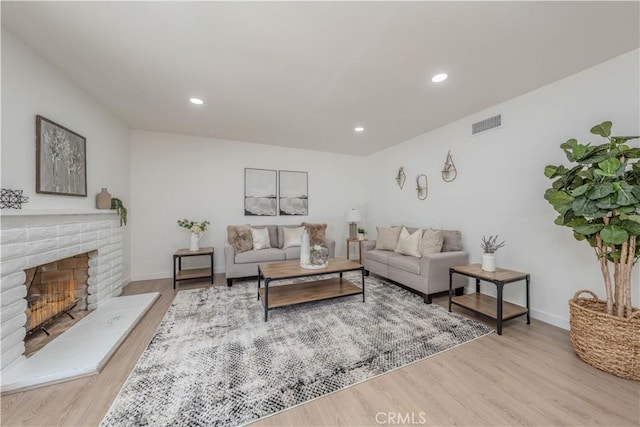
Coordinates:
452 240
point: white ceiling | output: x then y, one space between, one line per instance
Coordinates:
303 74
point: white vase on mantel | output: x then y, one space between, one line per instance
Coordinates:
194 241
489 262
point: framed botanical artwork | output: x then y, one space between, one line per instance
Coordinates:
294 193
260 197
61 160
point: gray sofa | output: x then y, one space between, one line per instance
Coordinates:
245 264
426 275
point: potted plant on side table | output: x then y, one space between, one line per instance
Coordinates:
361 233
598 197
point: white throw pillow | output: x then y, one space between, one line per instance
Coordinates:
409 244
432 241
260 238
292 237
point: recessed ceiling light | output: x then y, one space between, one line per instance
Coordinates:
439 78
358 129
196 101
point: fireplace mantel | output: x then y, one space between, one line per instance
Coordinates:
54 212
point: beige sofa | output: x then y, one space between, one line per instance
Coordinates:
426 275
245 264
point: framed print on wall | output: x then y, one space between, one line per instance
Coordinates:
294 193
260 197
61 160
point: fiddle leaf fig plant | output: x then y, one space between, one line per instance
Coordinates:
598 197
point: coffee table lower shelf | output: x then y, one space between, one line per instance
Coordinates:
318 290
487 305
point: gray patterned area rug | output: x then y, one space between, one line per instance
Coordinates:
214 361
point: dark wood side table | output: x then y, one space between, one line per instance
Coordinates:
492 307
359 242
191 273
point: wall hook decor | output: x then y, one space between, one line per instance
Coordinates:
422 186
401 177
449 171
12 199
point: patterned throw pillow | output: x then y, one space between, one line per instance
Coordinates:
409 243
388 238
431 241
239 236
260 238
317 233
292 237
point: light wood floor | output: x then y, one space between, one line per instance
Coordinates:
528 376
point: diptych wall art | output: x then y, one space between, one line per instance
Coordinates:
260 197
61 160
268 192
294 193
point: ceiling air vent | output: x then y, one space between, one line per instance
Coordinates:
486 124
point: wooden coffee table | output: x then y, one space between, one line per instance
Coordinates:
298 293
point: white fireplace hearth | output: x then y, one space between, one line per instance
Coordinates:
33 238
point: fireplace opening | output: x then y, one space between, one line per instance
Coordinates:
56 299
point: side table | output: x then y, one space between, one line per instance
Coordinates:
492 307
359 242
191 273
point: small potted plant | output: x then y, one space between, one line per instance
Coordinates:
196 230
119 207
489 247
361 233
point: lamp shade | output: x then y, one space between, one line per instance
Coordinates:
354 216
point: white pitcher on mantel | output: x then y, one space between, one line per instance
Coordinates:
193 242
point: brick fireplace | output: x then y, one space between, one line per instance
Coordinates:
88 247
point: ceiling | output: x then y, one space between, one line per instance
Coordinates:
304 74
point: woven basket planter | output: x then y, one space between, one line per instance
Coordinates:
606 342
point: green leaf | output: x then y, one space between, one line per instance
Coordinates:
614 234
608 167
625 209
635 218
578 236
600 190
603 129
624 193
621 139
608 202
589 229
582 206
580 190
632 227
569 144
550 171
560 200
632 153
579 151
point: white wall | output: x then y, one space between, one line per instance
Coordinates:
32 86
178 176
500 184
